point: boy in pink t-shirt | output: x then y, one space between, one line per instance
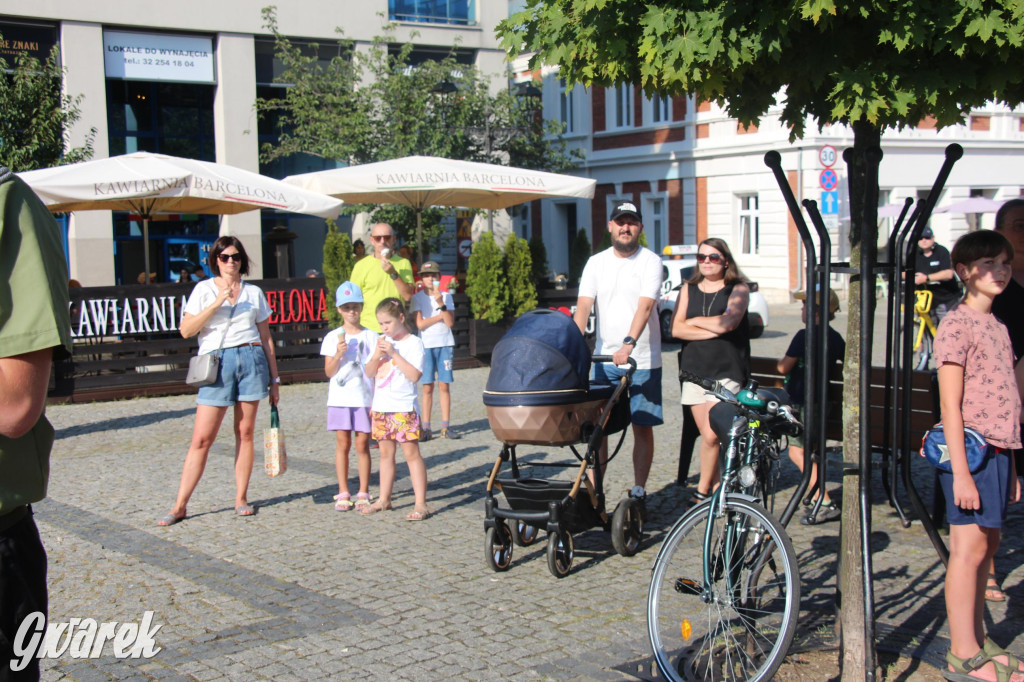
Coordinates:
978 390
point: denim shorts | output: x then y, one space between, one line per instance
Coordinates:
244 377
439 360
644 392
993 483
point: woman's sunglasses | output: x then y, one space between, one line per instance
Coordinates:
713 257
225 257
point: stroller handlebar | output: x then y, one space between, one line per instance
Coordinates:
608 358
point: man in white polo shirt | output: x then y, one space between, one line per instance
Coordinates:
625 281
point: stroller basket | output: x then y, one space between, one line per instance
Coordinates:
536 495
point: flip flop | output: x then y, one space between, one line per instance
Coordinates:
245 510
171 519
992 587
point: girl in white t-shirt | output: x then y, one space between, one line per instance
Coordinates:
349 393
396 364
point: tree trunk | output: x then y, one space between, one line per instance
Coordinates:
857 660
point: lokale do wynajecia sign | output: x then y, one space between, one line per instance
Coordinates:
139 310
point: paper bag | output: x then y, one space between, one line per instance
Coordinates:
275 459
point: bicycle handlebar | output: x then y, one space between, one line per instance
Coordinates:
774 409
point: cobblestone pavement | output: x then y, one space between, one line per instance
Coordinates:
301 592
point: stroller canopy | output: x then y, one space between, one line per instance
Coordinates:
543 351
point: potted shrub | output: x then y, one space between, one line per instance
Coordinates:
522 293
487 289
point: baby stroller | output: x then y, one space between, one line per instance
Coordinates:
539 393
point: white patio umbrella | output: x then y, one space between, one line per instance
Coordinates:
149 184
422 181
972 205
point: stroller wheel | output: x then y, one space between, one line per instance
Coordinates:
523 534
498 547
560 553
627 527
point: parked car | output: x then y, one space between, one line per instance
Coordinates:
679 267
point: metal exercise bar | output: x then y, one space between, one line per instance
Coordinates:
822 289
893 355
811 426
953 154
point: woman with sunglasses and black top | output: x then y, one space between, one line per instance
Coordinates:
711 321
231 319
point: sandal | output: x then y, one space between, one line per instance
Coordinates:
962 667
342 502
362 501
992 590
377 506
245 510
418 515
171 519
992 649
696 499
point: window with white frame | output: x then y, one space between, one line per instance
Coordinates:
656 223
567 107
749 228
619 109
658 110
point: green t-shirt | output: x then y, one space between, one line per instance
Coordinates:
33 316
378 285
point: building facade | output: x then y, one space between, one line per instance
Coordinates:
696 173
182 79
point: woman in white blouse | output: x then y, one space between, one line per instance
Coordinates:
231 319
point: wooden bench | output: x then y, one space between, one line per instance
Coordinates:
924 408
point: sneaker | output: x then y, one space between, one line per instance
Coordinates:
426 435
828 512
638 493
450 433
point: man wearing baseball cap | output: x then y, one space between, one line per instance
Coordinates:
934 273
434 312
624 283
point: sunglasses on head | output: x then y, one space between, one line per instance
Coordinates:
713 257
225 257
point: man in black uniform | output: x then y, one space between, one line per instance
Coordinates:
935 274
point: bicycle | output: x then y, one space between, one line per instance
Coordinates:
925 334
725 588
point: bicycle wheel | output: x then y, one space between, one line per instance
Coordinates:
741 626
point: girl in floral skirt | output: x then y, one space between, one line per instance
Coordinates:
396 365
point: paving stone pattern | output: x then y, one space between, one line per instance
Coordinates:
301 592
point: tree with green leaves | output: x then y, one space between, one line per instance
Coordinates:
870 64
338 262
373 104
486 282
522 292
37 114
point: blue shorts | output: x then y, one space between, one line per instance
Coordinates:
244 377
438 360
993 483
644 392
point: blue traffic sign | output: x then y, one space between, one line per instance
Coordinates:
830 203
828 180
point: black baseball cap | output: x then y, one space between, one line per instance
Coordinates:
626 208
927 233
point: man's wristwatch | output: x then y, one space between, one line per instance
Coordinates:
443 308
629 341
394 275
275 380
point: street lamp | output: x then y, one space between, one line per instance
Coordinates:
490 137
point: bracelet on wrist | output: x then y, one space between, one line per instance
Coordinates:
275 380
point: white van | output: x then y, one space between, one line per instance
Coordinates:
678 265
